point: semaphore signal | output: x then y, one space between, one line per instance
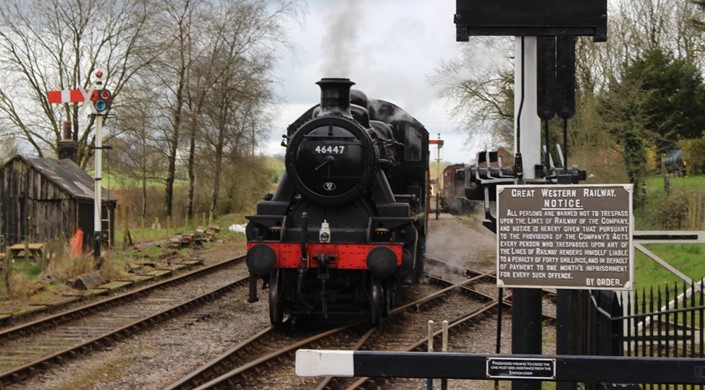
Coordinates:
100 99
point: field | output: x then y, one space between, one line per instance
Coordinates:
687 258
655 185
678 200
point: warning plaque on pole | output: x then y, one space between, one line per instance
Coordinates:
565 236
521 368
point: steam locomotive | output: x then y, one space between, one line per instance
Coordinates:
345 231
452 192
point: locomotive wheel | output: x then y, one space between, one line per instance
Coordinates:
376 301
418 271
389 293
276 314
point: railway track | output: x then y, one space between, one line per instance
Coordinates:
463 297
463 326
270 353
453 273
28 348
268 348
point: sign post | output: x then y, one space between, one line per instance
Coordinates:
532 22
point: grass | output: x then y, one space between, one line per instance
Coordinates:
681 208
151 240
113 179
161 230
109 371
655 184
468 219
687 258
33 269
25 280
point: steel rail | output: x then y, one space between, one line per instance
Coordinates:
259 361
59 318
423 341
223 380
22 372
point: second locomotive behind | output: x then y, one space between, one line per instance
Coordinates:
452 192
345 229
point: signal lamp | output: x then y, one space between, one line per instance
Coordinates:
101 101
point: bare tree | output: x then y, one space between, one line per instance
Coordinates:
646 25
58 45
233 113
205 42
181 13
481 92
138 148
242 43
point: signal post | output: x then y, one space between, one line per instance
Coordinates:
101 100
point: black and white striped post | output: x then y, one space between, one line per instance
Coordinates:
595 369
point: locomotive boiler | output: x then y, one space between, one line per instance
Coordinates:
344 232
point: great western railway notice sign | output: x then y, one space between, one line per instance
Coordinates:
565 236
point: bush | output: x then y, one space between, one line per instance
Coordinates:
681 208
694 155
66 265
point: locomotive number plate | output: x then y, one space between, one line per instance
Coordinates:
330 149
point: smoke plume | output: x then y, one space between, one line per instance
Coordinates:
341 37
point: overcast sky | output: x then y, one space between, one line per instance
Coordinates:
388 48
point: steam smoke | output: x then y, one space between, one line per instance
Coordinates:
340 42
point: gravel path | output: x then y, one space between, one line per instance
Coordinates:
465 244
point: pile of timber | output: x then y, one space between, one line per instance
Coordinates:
195 239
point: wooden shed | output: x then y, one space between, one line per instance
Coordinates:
45 199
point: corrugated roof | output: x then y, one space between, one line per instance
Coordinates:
67 175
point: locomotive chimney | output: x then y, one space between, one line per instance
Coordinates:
335 96
66 149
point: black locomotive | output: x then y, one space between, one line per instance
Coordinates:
345 229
